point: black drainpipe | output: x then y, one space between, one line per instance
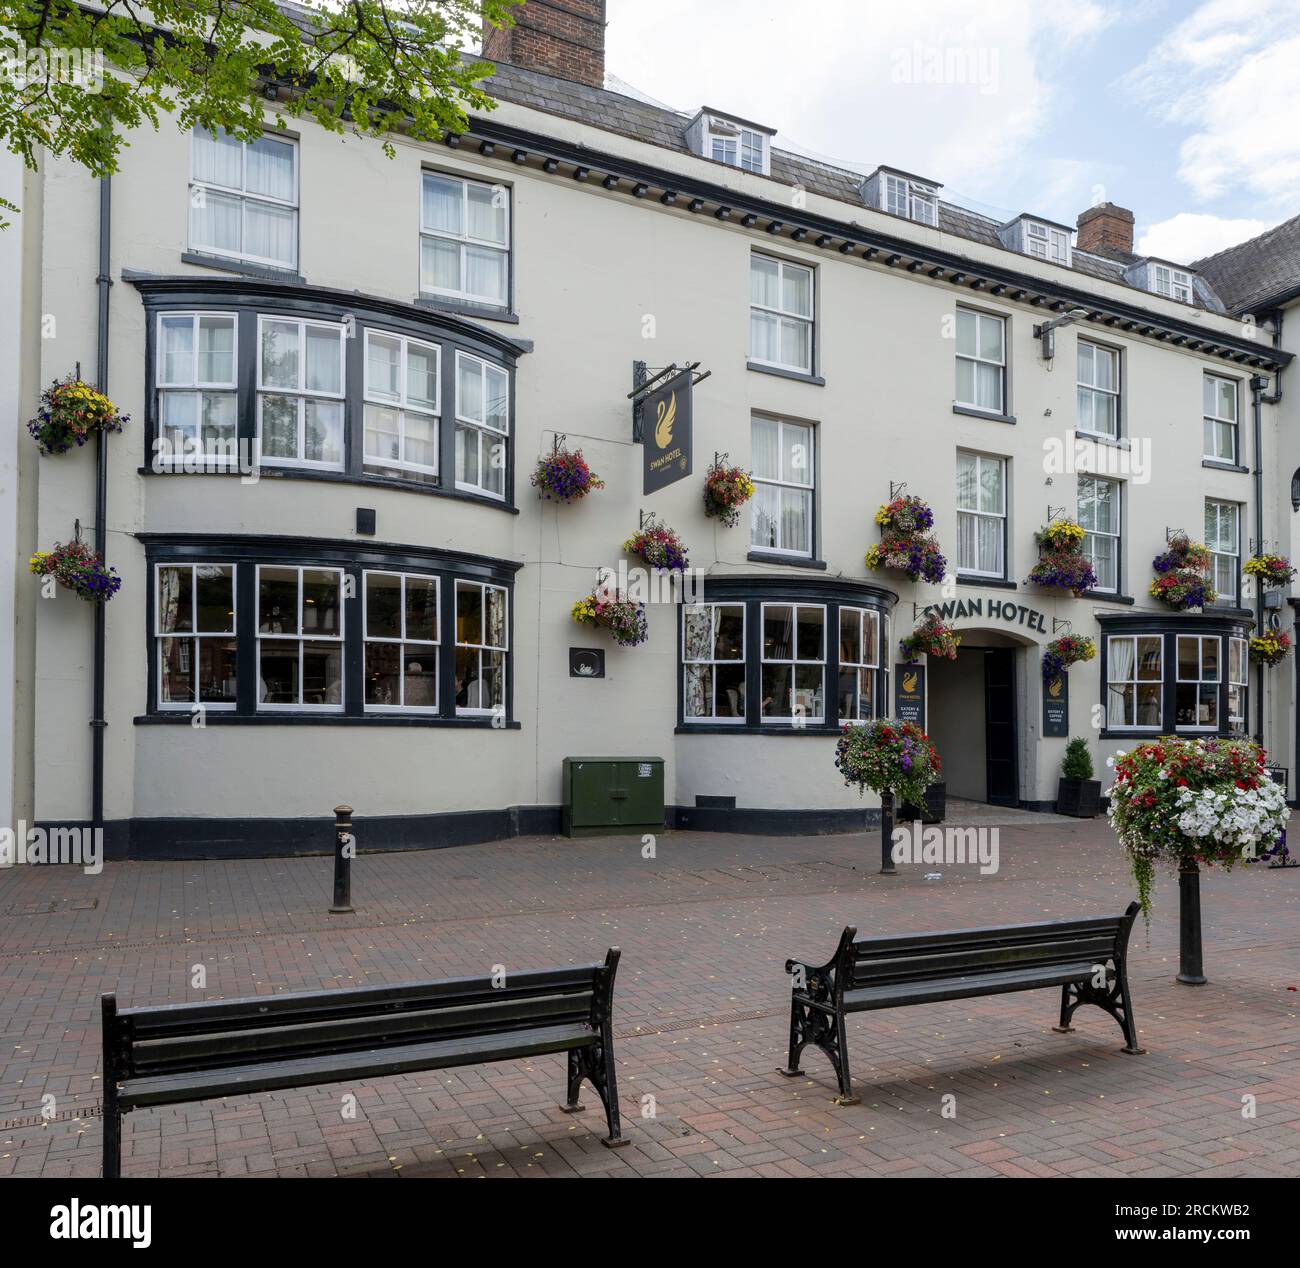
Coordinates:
97 722
1257 386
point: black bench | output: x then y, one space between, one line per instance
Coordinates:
1085 958
194 1052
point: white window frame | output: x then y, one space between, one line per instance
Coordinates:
195 387
1172 283
193 635
859 666
401 406
469 711
1216 419
199 187
735 145
1238 687
1231 558
1117 501
466 240
1115 393
808 319
482 427
810 487
793 661
301 638
402 642
713 660
980 316
1001 516
1200 681
302 394
1047 242
1135 682
901 196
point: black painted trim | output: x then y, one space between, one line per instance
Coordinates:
1224 466
437 305
797 375
993 583
223 265
785 561
1106 596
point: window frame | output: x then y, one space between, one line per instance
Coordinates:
1233 597
911 194
301 637
810 488
1117 394
1174 280
1219 420
1135 682
402 405
859 667
244 196
465 241
794 719
1003 516
484 428
979 314
714 718
1052 237
193 635
781 314
196 387
1238 648
301 395
1200 681
1117 501
468 711
402 642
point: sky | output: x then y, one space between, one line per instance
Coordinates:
1186 113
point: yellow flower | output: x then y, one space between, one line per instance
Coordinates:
37 563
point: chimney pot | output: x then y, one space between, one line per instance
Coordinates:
564 38
1105 230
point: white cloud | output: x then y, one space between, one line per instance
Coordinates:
953 89
1229 72
1188 236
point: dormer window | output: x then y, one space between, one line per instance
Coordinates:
1172 283
1039 238
731 141
912 200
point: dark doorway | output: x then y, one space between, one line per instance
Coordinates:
1000 726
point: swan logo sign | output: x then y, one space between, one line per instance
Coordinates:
666 449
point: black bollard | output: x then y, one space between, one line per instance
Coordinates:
343 839
887 867
1191 971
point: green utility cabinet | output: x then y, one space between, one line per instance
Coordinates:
603 796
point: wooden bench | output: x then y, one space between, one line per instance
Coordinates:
195 1052
1085 958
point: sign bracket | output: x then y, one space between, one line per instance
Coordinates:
1060 623
896 488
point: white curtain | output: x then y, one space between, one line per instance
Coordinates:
443 205
485 274
269 232
269 169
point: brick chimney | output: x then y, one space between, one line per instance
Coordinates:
1106 230
565 38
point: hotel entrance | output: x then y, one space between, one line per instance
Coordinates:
974 715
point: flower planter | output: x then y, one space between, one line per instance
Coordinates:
906 543
933 808
564 476
71 413
1079 798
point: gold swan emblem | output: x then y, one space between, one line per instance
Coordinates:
665 417
909 683
1055 689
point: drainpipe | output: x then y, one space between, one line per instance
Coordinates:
97 723
1257 386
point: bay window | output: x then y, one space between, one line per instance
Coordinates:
482 425
401 405
481 647
300 638
244 198
794 663
401 638
1135 680
1238 680
859 660
465 240
196 377
194 634
300 392
1197 695
713 661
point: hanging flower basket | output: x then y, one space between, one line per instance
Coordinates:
1270 570
71 413
889 758
77 568
1270 649
657 546
1206 801
1061 653
1182 576
932 637
906 543
726 490
1062 565
625 620
564 476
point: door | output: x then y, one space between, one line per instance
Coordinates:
1000 726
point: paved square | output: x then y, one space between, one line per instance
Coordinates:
701 1009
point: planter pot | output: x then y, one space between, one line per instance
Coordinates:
936 797
1078 797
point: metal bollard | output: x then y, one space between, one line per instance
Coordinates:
343 840
887 867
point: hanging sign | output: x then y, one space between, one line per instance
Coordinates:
1056 707
666 433
909 694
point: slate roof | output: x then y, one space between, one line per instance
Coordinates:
1252 274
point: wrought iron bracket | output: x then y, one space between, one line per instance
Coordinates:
1060 623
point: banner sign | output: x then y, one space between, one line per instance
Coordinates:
909 694
1056 707
666 433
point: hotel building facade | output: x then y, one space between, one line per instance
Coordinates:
379 615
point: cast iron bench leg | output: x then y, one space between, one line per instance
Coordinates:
574 1106
112 1140
798 1038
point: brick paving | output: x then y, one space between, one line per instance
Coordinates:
701 1013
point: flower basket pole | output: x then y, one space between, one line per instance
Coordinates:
887 865
1191 969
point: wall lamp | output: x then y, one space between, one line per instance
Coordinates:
1047 330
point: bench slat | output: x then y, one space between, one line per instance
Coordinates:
365 1001
276 1043
1044 931
314 1071
897 996
923 965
